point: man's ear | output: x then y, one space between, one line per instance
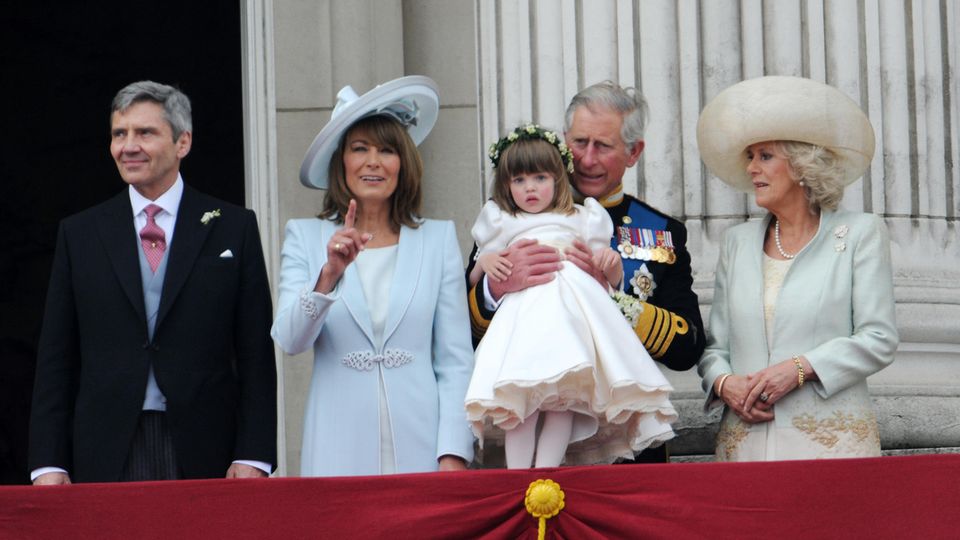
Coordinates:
634 154
183 144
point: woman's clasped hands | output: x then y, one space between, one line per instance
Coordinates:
752 397
735 392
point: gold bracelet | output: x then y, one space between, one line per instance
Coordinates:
723 379
796 361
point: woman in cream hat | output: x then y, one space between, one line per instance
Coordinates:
803 308
378 293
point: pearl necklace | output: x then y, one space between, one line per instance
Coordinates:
776 238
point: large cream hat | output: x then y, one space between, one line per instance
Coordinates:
413 101
782 109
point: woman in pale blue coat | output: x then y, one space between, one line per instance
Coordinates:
379 295
803 308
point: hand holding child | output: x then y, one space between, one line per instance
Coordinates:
535 264
581 256
609 262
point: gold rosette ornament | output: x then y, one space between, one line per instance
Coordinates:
543 501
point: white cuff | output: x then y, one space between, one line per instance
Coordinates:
263 466
37 473
488 301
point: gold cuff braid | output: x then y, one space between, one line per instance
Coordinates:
657 327
478 325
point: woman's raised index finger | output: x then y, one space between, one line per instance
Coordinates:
351 214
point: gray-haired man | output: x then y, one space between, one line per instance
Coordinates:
155 360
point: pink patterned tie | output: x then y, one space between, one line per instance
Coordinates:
152 238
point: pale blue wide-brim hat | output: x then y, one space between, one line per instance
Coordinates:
414 101
777 108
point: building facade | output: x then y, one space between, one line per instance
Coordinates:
502 62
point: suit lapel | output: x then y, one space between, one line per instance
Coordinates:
754 276
119 238
406 276
188 238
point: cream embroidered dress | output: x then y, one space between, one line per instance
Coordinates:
564 345
834 304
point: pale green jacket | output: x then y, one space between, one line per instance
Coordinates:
836 307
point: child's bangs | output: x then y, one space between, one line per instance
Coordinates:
527 157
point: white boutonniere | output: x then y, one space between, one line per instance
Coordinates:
207 216
628 305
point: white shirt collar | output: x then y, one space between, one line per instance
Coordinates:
169 201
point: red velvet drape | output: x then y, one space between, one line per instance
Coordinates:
891 497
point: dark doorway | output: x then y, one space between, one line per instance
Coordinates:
62 63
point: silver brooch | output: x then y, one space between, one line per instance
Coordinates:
840 232
643 284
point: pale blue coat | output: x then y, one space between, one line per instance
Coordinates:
836 307
426 336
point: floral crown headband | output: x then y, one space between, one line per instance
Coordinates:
531 132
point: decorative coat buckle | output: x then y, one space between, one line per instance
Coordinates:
367 360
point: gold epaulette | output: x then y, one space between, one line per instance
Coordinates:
656 328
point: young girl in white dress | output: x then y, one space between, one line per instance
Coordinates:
562 348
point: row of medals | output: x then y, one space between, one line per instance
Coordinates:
657 253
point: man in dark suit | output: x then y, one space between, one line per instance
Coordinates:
155 359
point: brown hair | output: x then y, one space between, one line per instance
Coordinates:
528 156
383 131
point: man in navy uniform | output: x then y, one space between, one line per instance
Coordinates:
604 129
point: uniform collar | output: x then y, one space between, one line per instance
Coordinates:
610 200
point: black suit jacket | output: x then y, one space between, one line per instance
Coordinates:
211 351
